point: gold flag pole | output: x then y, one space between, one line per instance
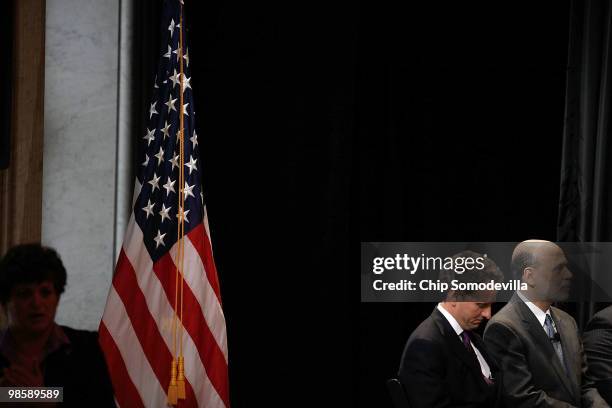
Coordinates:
181 361
176 388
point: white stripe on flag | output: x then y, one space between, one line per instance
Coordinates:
207 228
137 187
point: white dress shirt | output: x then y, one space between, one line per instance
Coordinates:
538 313
484 367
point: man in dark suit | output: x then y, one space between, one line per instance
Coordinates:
444 363
597 340
537 345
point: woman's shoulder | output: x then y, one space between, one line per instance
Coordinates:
80 338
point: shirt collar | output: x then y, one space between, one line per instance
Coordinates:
453 322
538 313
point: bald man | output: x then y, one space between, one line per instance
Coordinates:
536 344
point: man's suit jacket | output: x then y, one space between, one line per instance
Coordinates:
533 374
597 340
438 371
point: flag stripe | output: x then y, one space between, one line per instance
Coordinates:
211 355
207 227
138 367
126 393
137 188
201 243
162 310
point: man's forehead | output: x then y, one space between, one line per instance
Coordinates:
482 296
557 256
488 296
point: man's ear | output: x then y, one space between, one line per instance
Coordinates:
528 276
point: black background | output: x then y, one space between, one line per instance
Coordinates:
326 124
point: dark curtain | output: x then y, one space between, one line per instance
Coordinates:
586 172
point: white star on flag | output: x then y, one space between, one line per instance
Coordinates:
176 79
169 53
186 56
188 191
191 164
186 83
152 110
149 208
174 161
159 239
166 130
170 103
149 137
178 216
154 182
160 156
169 186
164 213
171 27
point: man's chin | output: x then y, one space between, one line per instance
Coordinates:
562 296
476 325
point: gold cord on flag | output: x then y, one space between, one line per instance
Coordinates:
176 388
181 365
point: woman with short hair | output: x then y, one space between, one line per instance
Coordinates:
34 350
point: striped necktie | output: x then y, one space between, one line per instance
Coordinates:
554 339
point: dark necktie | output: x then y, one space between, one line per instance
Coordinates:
465 337
554 339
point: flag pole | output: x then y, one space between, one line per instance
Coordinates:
181 364
176 388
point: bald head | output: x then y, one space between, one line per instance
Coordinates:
526 253
543 266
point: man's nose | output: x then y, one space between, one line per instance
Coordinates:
486 312
568 274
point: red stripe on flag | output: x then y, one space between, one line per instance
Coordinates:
153 345
197 327
201 243
124 389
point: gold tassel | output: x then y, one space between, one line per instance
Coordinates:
172 388
180 381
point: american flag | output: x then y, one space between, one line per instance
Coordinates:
136 332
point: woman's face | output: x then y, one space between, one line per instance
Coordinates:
31 307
